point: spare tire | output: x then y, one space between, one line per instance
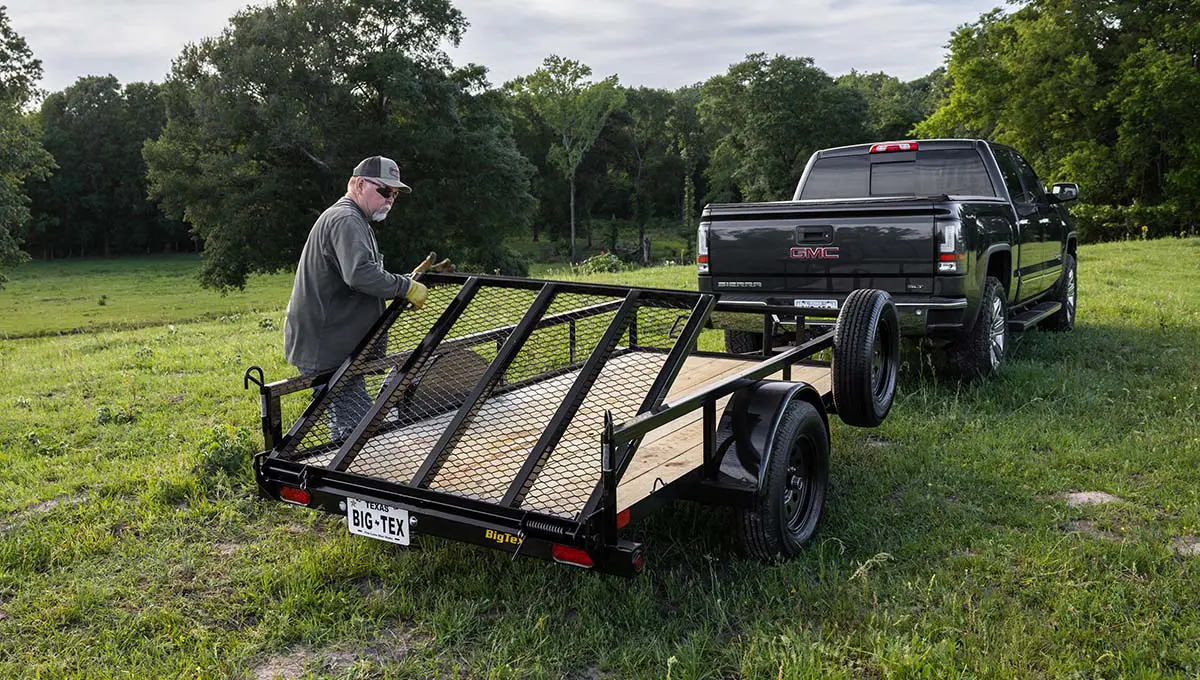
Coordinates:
866 358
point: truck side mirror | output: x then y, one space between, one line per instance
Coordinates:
1065 191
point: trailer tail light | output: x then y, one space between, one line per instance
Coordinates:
890 147
623 518
951 256
574 556
702 248
294 495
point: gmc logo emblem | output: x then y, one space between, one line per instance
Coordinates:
821 253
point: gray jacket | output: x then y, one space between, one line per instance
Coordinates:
340 291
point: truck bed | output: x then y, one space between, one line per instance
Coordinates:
571 472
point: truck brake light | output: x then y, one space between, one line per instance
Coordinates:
702 248
951 256
888 147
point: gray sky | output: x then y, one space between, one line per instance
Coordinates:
656 43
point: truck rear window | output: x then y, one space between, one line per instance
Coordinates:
932 172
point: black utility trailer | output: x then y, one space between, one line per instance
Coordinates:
542 418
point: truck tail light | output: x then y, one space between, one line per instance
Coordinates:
890 147
702 248
951 256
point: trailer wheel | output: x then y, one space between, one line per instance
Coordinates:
743 342
866 358
789 509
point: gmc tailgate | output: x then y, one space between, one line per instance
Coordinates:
809 249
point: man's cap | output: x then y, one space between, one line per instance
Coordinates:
383 169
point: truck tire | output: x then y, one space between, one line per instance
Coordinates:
788 510
980 352
743 342
866 358
1066 294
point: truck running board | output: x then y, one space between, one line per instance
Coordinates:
1033 315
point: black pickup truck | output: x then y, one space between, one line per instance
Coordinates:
960 232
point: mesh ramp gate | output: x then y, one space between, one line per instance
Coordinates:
497 389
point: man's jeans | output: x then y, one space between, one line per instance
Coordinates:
347 406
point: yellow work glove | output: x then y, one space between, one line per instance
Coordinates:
428 264
417 294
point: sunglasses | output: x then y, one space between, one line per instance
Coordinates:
385 191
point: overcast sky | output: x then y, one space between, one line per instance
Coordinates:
656 43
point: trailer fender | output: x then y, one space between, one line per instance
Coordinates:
748 426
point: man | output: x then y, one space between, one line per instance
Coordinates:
341 287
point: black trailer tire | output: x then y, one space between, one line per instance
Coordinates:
980 352
866 358
743 342
789 508
1066 294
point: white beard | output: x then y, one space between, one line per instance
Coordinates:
381 214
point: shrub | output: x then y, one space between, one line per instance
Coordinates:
602 263
225 456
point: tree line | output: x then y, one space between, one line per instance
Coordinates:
255 130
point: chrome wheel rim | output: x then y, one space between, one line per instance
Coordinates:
997 336
1071 295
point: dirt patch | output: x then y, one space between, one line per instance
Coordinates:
1080 498
877 442
46 506
1186 546
226 549
388 646
1089 529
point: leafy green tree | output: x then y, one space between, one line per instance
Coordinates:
23 157
95 131
266 121
689 140
1100 92
650 149
575 108
893 107
768 116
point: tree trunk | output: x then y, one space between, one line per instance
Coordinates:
573 260
643 241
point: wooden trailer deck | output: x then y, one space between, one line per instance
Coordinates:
678 447
573 469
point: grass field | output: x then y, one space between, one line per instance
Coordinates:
132 543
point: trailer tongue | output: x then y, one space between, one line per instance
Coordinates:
542 417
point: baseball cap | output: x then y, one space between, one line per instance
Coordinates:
382 169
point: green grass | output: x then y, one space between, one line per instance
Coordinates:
66 296
132 544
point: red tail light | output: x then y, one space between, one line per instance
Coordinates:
575 556
623 519
889 147
701 259
293 495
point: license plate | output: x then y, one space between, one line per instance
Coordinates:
816 304
377 520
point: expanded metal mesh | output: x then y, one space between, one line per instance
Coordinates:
427 401
467 414
349 397
572 469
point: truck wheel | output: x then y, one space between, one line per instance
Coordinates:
866 358
743 342
788 510
980 352
1064 319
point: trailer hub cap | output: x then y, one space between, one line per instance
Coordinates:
797 489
